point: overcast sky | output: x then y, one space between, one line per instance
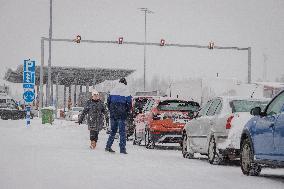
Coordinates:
255 23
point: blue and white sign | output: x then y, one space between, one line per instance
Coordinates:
29 74
29 80
29 96
29 77
29 66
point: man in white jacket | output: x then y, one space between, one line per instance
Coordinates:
119 105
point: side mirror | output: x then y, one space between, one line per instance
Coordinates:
255 111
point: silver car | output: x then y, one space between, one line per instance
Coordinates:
216 130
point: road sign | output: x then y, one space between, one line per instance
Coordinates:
29 77
29 66
28 86
29 96
29 74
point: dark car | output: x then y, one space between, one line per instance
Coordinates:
10 110
262 141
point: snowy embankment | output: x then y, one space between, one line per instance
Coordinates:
58 156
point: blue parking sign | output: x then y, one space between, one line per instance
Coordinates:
29 66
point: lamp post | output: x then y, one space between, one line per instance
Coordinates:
49 83
146 11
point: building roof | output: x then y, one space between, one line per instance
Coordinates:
70 75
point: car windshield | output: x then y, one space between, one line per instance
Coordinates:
246 105
77 109
178 105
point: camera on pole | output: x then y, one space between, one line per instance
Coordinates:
120 40
162 42
78 39
211 45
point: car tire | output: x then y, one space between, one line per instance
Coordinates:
184 147
149 143
135 142
247 163
213 156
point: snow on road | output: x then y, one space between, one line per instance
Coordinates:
58 156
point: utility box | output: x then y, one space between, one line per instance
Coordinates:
47 115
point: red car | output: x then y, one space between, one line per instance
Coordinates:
163 120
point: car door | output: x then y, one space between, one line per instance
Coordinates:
209 122
279 128
265 134
195 126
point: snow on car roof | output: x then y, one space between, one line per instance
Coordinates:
242 98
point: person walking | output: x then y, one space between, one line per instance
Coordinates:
96 112
119 105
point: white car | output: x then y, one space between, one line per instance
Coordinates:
73 114
216 130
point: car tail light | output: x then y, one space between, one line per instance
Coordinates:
229 120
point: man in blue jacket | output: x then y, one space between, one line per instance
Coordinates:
119 105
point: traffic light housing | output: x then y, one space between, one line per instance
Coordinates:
211 45
78 39
120 40
162 42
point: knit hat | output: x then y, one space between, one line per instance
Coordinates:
95 92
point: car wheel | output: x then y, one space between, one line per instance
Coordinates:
247 164
213 157
149 143
135 138
185 151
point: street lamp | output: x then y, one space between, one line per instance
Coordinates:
146 11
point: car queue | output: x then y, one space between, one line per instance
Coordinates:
225 128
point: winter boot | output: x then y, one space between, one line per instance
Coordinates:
93 144
123 151
109 150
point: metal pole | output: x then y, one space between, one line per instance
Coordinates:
64 98
56 91
41 76
49 57
145 41
75 96
249 65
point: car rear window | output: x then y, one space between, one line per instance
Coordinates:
177 105
246 105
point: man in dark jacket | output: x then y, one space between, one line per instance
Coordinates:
95 111
119 105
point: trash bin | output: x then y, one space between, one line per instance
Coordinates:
47 115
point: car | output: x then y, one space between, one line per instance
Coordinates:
10 110
262 140
216 130
163 121
73 113
138 103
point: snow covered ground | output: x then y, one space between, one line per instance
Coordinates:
58 156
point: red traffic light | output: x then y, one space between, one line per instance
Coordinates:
78 39
120 40
162 42
211 45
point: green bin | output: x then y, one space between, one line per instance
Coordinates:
47 115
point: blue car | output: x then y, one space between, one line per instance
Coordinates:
262 141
